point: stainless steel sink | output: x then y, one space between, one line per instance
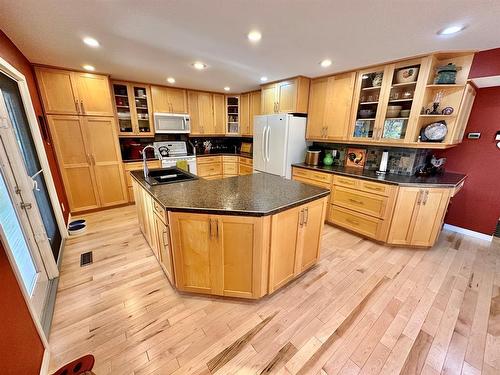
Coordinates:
170 175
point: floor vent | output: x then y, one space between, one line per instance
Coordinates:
497 231
86 259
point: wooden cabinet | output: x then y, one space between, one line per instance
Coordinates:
206 112
74 93
164 249
418 216
133 109
249 107
229 166
227 257
134 166
169 99
245 166
295 242
288 96
209 167
310 177
89 158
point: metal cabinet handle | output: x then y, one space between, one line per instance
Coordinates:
306 214
210 227
419 198
217 228
77 107
165 239
26 206
301 218
356 201
93 159
426 195
83 108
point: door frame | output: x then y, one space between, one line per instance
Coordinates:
17 76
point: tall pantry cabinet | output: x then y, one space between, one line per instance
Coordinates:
82 125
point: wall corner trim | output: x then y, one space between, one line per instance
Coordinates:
469 232
44 368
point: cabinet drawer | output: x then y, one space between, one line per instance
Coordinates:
229 159
359 201
311 182
346 181
313 175
363 224
230 168
160 211
375 187
208 159
245 169
207 170
246 161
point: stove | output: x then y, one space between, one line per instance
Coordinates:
170 152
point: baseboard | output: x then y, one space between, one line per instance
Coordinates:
44 368
469 232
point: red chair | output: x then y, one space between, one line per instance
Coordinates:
78 366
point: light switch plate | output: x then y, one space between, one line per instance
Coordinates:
473 135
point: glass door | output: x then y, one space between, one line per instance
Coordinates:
142 109
123 110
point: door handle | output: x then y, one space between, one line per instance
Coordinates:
77 107
419 198
267 143
426 195
210 227
263 144
26 206
93 159
83 108
301 218
306 214
217 228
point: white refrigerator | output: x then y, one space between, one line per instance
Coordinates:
278 142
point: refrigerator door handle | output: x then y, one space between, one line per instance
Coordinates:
268 153
263 145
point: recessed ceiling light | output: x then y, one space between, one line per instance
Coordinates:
451 30
171 80
326 63
91 42
199 65
254 36
263 79
227 88
90 68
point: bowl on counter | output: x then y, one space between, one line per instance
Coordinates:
393 110
366 113
407 75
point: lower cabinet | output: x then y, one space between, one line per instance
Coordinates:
228 257
295 242
163 249
418 216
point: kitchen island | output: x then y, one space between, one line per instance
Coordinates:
243 236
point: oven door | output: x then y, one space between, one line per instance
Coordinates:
168 123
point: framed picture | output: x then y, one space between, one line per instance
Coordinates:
355 157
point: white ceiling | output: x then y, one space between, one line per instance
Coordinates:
150 40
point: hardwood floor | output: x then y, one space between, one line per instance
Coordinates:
364 309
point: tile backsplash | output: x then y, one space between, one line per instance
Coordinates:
401 160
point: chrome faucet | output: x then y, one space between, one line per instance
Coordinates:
144 164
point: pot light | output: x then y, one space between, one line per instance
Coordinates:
326 63
91 42
171 80
263 79
227 88
199 65
451 30
90 68
254 36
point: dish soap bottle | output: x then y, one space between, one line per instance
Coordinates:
328 159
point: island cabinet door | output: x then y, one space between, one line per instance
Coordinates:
194 253
163 245
243 244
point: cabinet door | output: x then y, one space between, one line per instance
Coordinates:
177 99
164 250
193 255
255 103
74 162
241 240
245 114
159 97
284 229
219 114
338 105
317 108
308 248
94 94
430 216
268 99
194 113
206 112
463 113
402 219
102 141
287 96
58 91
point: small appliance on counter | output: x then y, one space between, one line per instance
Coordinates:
312 157
432 167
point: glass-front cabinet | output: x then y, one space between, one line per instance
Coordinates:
133 109
233 115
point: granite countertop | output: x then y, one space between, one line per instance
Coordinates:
446 179
244 154
258 194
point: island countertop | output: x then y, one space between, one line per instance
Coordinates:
444 180
257 194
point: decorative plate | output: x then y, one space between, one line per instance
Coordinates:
435 132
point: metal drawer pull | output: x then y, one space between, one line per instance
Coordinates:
76 106
306 213
355 222
419 199
378 188
426 195
355 201
301 218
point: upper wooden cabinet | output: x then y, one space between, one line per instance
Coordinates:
74 93
289 96
330 100
133 108
207 112
169 99
250 104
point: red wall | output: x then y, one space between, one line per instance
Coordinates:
10 53
486 64
21 350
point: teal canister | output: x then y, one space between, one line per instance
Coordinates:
328 159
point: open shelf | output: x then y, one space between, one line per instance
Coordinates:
404 84
371 88
400 100
445 86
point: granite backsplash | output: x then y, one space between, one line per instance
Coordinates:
404 161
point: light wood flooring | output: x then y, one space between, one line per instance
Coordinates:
364 309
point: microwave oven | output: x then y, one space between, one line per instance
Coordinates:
171 123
